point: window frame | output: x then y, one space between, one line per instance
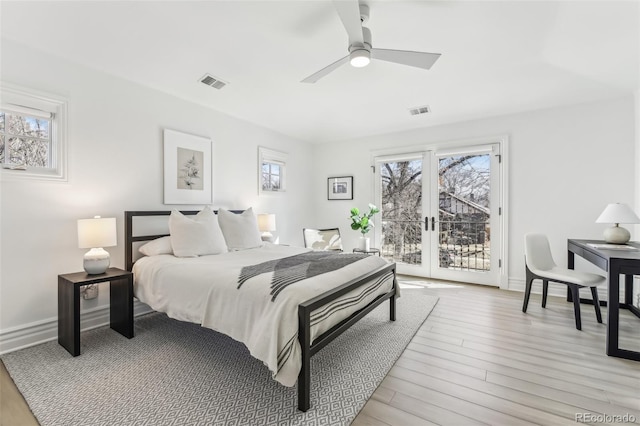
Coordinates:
34 103
270 156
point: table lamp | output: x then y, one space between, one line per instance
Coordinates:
617 213
267 224
95 234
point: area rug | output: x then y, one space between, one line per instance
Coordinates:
177 373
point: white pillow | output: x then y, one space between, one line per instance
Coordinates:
196 237
158 246
240 230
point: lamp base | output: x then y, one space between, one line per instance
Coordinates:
616 235
96 261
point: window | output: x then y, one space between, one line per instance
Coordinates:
272 170
25 139
31 135
271 176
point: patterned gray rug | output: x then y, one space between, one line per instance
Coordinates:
176 373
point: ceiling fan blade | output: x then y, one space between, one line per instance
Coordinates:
406 57
349 12
326 70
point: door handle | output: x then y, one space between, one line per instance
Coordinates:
433 223
426 223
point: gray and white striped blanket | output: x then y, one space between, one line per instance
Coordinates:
290 270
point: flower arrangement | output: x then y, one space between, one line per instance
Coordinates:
362 222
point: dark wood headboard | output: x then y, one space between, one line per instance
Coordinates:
130 239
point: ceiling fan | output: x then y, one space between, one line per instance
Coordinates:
361 51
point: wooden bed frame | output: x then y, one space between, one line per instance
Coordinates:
305 309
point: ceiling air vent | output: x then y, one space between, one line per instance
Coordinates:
419 110
212 81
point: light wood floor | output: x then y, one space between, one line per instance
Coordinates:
479 360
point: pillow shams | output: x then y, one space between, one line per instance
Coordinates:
196 237
240 230
158 246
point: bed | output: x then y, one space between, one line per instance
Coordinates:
252 295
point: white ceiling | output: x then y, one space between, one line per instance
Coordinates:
497 57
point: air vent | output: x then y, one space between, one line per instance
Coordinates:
212 81
419 110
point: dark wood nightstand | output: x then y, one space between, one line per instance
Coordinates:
121 309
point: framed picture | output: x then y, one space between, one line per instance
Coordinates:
187 168
340 188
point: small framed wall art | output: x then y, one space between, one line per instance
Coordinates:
340 188
187 168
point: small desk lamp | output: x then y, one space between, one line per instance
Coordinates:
267 224
95 234
617 213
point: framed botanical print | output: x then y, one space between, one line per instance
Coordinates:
187 168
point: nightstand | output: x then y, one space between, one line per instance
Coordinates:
121 301
370 251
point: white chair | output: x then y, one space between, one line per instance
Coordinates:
540 265
322 239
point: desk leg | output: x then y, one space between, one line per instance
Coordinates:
628 290
69 316
571 264
121 309
613 309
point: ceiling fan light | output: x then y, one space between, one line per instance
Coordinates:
360 58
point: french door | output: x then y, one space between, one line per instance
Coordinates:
441 214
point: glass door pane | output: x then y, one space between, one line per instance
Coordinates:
467 213
464 213
440 213
402 236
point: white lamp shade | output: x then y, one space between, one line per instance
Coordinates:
618 213
266 222
97 232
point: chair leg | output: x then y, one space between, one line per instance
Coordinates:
527 291
545 290
576 305
596 303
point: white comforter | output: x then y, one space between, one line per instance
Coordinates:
204 290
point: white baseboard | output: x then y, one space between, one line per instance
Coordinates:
43 331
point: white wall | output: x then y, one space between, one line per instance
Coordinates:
115 164
565 165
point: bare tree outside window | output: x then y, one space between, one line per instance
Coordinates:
24 140
272 171
402 209
464 193
271 176
463 211
33 134
466 177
